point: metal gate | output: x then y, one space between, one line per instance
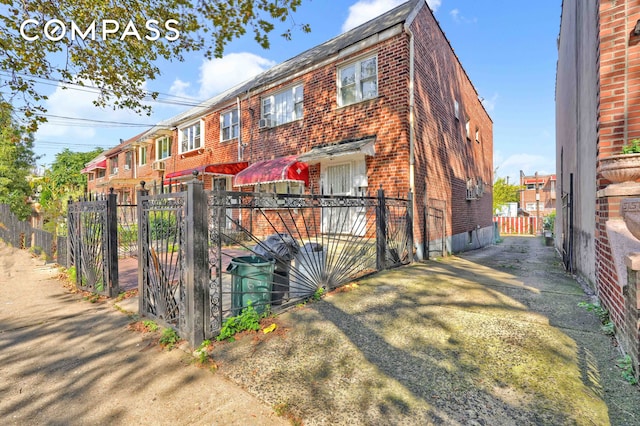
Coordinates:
92 240
205 256
567 227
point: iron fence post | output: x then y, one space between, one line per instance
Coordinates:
142 243
381 232
112 245
197 263
410 225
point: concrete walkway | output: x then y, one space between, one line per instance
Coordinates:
65 361
491 337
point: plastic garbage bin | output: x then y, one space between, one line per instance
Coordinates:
281 248
309 270
251 282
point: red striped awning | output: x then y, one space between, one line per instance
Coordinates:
97 165
281 169
229 169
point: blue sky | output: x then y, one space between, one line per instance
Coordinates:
508 48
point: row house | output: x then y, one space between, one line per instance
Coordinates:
385 105
538 194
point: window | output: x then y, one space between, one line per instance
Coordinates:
113 165
101 173
190 137
229 125
163 148
283 107
477 135
456 109
290 187
358 81
142 155
90 177
531 186
128 156
467 127
531 207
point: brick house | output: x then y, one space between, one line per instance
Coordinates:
385 105
538 194
597 112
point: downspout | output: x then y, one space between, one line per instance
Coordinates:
412 176
240 148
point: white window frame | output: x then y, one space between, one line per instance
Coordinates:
142 155
194 134
530 206
358 80
159 151
113 165
295 187
456 109
128 160
275 109
467 127
233 127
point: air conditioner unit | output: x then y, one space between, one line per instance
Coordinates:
127 167
114 171
157 166
264 123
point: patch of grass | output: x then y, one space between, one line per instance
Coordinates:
626 365
169 338
317 295
126 295
93 297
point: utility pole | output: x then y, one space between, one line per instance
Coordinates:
537 204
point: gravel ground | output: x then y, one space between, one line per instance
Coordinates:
491 337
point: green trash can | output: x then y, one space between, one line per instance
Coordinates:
251 281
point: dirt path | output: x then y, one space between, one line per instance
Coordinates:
66 361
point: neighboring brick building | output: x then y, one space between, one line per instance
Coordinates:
538 194
597 112
385 105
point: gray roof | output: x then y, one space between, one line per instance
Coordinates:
304 60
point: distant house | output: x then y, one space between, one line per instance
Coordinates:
385 105
538 195
597 112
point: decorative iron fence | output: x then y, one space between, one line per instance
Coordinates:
205 256
92 240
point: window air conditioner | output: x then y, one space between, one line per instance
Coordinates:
157 166
264 123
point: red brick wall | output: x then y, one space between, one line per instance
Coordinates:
619 122
444 157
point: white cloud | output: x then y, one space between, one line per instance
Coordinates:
460 19
179 88
365 10
490 104
528 163
218 75
434 4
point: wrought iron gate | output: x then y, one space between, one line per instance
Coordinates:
92 240
205 256
567 227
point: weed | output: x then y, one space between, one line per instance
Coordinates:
607 327
626 365
71 273
169 338
202 355
601 313
284 410
150 325
318 293
249 319
93 297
